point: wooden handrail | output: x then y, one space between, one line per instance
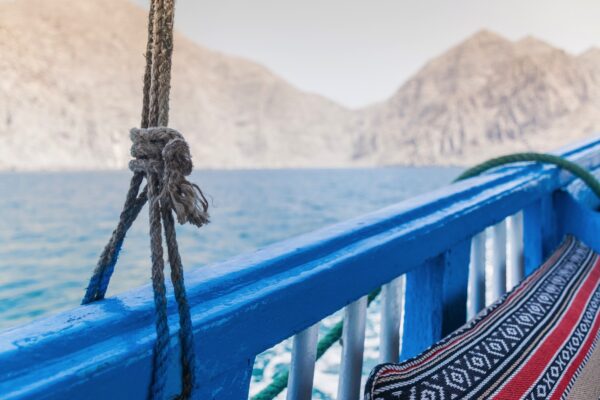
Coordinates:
250 303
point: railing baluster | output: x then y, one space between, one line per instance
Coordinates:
499 260
516 272
455 286
539 227
423 307
391 315
477 275
353 343
302 370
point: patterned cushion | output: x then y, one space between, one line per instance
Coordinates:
537 342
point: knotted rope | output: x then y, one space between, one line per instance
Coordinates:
162 157
165 153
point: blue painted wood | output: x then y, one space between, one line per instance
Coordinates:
578 210
230 385
250 303
582 193
540 232
436 299
550 239
578 219
423 308
455 286
532 234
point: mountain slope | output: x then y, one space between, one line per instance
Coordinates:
484 97
70 89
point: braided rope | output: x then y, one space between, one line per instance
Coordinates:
161 350
162 157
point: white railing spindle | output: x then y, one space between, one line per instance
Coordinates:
302 370
499 260
392 296
353 343
476 291
515 272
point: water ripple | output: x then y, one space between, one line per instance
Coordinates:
54 225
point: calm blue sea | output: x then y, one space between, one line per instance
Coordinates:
53 226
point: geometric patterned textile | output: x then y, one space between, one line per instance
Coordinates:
537 342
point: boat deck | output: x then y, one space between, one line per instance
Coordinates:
244 306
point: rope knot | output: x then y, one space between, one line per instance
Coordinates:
163 151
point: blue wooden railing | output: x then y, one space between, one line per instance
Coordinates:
248 304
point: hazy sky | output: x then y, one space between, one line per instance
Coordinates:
359 51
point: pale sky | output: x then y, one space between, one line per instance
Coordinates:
357 52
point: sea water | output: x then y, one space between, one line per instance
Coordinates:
54 225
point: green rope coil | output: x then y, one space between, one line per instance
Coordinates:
334 334
577 170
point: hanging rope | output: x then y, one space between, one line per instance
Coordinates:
162 157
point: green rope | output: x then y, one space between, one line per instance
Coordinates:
334 334
280 380
577 170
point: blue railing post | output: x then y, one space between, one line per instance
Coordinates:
570 214
540 232
423 307
455 286
550 237
436 299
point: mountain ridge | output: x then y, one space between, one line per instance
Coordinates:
70 88
485 96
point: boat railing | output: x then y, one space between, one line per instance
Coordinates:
431 251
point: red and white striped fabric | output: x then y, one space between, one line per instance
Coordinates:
537 342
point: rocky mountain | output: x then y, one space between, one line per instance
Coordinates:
485 97
70 89
71 82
